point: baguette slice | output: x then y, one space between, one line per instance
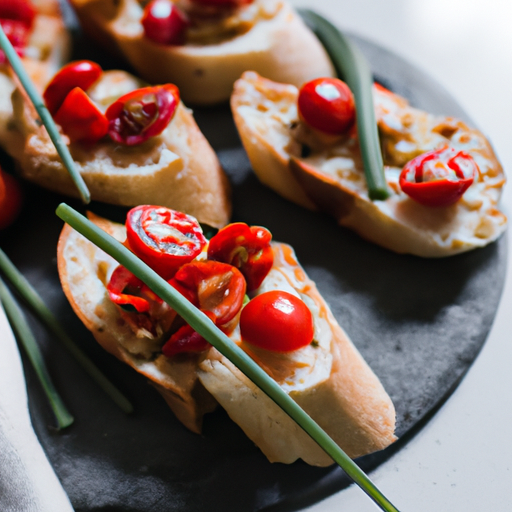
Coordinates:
332 180
277 44
84 271
330 381
178 168
47 49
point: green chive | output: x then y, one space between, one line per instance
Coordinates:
351 65
206 328
24 334
39 308
45 116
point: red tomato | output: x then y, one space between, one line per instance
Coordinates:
277 321
327 104
439 177
184 340
123 286
18 10
80 118
246 248
82 73
143 113
165 239
11 199
164 23
217 289
223 3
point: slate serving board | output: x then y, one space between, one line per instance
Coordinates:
419 324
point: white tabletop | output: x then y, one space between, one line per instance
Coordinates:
461 460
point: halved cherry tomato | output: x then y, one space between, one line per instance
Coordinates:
16 18
217 289
164 22
277 321
439 177
82 73
183 340
143 113
246 248
165 239
123 287
223 3
327 104
11 199
18 10
213 287
80 118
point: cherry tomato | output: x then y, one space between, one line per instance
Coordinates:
18 10
82 73
124 289
246 248
215 288
17 33
277 321
223 3
80 118
183 340
165 239
11 199
143 113
327 104
439 177
164 23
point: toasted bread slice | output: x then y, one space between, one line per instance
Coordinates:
267 36
328 378
332 179
177 168
84 271
47 49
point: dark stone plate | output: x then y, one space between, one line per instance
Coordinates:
419 323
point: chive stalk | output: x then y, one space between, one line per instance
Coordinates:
351 65
45 116
41 310
26 337
206 328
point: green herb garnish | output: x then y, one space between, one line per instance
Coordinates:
351 65
206 328
40 309
45 116
25 336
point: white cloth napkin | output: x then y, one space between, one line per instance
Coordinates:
27 481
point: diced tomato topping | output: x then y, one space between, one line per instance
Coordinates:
16 18
82 73
80 118
246 248
439 177
143 113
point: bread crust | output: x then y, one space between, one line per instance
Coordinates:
347 399
178 168
280 47
333 181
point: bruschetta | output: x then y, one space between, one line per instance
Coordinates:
243 282
424 155
38 33
203 46
132 144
